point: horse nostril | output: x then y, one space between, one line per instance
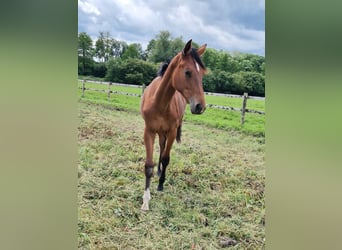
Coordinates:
198 108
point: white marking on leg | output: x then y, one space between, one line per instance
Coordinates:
146 197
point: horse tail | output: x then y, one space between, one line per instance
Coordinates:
179 133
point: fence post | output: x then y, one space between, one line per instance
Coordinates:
109 90
243 110
143 88
83 87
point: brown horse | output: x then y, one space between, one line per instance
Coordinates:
163 106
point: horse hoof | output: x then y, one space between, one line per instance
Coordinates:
145 207
160 189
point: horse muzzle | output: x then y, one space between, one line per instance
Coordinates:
196 108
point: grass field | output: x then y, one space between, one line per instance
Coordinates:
214 189
216 118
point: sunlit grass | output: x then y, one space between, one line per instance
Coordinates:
214 187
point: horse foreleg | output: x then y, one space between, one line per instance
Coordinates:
162 141
165 159
149 142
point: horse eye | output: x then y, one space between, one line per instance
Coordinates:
188 73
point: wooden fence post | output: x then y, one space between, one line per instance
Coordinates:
243 110
83 87
109 90
143 88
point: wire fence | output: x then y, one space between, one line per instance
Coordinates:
244 97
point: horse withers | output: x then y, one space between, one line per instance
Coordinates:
163 105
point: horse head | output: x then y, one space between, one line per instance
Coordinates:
188 75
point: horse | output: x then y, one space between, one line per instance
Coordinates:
163 104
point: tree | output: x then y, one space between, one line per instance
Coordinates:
209 82
246 65
100 50
226 62
133 50
164 47
210 58
114 70
107 47
256 62
130 71
118 48
138 71
262 68
223 63
103 46
161 50
99 69
251 82
224 83
234 72
254 83
176 45
238 84
85 65
85 51
150 46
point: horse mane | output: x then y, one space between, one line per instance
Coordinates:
163 68
197 58
194 55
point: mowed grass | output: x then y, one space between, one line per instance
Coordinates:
214 189
213 117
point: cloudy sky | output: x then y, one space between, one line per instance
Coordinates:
231 25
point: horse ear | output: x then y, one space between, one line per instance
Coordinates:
187 48
201 49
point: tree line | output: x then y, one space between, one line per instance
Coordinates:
117 61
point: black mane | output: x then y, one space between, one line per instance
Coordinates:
197 58
163 68
194 55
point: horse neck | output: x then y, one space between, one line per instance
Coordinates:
165 90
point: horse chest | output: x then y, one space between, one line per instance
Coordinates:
164 123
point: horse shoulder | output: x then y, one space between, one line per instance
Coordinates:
148 96
181 102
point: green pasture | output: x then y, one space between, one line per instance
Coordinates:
213 117
213 194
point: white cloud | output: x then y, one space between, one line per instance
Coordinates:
230 25
136 13
88 8
94 19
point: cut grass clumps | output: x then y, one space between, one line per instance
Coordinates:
214 189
